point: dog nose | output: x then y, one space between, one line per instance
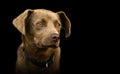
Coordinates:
55 36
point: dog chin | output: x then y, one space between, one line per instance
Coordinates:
48 46
51 46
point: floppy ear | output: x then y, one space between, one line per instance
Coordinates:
65 23
20 21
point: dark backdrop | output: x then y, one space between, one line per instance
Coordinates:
82 52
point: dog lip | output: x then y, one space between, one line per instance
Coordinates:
48 46
54 46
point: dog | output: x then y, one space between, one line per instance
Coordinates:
39 51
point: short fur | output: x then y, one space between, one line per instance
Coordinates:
40 30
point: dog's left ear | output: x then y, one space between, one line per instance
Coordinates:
65 23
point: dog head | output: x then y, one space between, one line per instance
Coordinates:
42 27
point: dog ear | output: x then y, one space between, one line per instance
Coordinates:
20 21
65 23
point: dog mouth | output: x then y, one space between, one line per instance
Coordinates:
48 45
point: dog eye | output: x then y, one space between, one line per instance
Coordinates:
57 24
40 24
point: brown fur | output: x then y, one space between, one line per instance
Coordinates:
40 29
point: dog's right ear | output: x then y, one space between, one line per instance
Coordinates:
19 21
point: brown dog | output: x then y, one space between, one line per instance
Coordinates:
39 52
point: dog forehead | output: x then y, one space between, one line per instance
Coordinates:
42 13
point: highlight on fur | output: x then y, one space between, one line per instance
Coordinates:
39 52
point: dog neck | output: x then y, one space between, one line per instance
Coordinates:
43 64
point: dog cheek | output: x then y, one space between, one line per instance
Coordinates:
37 42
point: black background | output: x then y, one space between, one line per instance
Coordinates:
83 52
